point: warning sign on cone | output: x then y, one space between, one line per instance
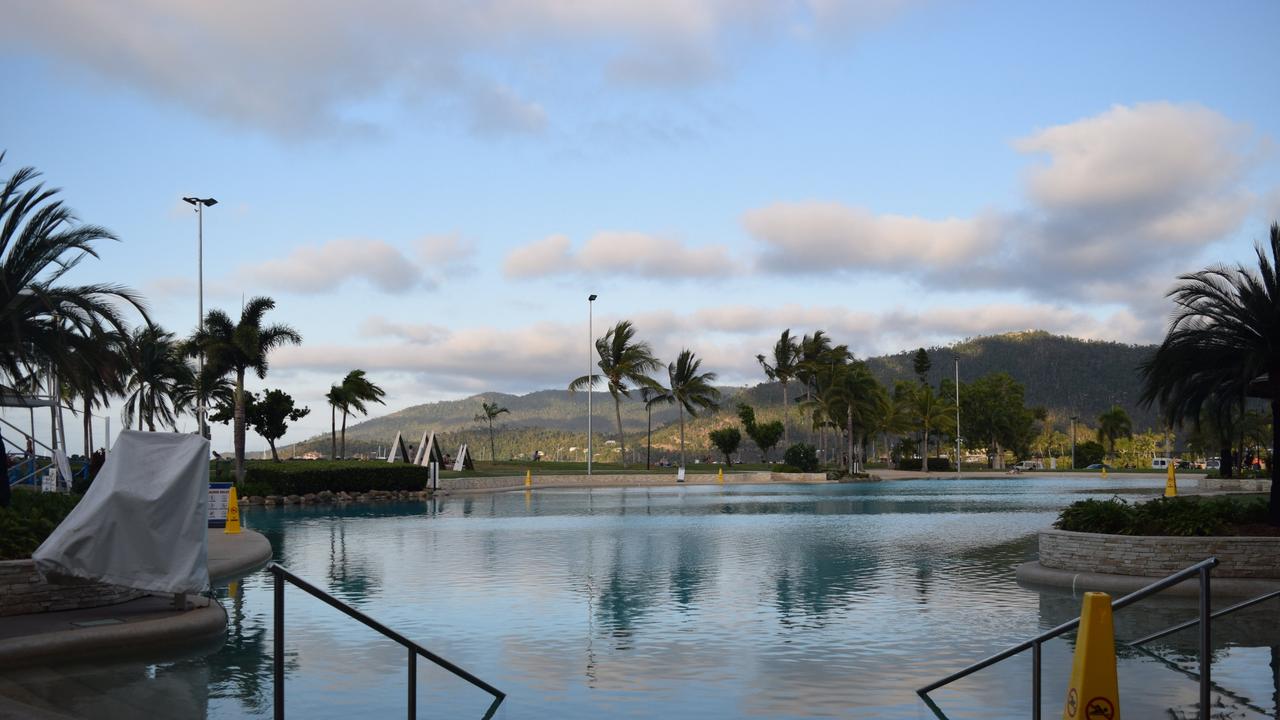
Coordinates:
1094 692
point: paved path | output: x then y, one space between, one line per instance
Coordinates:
145 625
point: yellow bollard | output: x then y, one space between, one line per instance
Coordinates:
1104 472
1171 483
1094 692
528 478
720 476
233 514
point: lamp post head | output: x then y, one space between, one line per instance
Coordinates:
591 298
207 202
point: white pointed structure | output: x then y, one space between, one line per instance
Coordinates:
463 460
429 451
398 452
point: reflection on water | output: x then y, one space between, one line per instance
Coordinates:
727 601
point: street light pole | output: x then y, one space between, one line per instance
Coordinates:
200 204
1073 440
590 377
957 359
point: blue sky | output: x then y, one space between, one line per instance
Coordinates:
430 190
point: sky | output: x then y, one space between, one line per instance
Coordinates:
430 190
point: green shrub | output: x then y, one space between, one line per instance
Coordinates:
1088 453
29 519
1180 516
801 456
300 477
1112 517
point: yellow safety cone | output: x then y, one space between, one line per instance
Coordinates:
1094 692
1104 472
528 478
1171 483
233 514
720 476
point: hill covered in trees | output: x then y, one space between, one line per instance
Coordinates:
1067 376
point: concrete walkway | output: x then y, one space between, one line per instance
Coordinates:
146 625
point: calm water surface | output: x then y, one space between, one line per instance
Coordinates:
778 601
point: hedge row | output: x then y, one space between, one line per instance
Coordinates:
29 519
935 464
313 476
1182 516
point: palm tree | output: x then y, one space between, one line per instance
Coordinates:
931 411
489 411
154 378
623 361
213 391
356 391
690 390
1221 343
856 396
92 379
785 364
236 348
44 325
336 400
654 394
1114 424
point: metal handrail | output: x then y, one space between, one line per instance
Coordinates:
1201 569
1194 621
282 575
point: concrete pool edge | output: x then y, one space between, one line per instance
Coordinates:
1032 574
234 556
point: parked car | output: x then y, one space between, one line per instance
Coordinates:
1029 465
1099 466
1160 463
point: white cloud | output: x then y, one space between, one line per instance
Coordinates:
295 66
1127 198
618 253
324 268
826 236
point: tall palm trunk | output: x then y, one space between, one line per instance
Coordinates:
239 426
648 444
88 430
493 453
786 414
342 444
849 422
617 412
681 407
924 445
333 433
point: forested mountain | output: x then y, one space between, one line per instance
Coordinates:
1066 375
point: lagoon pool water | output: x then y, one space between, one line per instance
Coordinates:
735 601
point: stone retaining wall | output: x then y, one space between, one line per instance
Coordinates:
1247 484
22 592
1158 556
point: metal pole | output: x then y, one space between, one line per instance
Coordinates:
1073 442
200 401
958 473
277 661
590 379
1035 681
413 684
1205 644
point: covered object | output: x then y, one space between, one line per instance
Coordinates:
142 524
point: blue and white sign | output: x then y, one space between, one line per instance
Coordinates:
219 499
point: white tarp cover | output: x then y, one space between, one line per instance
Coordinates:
143 522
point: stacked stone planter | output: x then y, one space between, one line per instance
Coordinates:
22 591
